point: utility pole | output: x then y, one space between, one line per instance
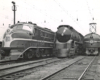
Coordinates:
14 9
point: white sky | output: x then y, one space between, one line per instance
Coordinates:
52 11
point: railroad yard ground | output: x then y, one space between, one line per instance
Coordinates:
77 68
46 72
97 76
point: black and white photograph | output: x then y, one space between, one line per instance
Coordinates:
49 39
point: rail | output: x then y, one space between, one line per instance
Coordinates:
86 69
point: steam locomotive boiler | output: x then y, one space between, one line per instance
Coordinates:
68 41
92 44
28 41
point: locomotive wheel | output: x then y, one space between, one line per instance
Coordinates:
29 55
47 53
42 53
37 54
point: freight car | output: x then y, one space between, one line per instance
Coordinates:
92 44
28 41
69 42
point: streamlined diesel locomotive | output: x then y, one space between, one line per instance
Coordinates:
27 40
69 42
92 44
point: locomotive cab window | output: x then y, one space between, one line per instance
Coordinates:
21 26
36 32
33 31
28 28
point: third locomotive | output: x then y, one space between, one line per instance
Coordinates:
92 44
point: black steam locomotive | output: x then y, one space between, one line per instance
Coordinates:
69 42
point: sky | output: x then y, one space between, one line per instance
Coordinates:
52 13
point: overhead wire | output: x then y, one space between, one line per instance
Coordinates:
38 9
62 8
51 16
68 14
45 14
92 25
89 10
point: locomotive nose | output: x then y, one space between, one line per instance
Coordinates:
63 34
6 41
63 38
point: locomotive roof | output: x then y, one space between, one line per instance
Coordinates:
35 25
81 35
70 27
95 36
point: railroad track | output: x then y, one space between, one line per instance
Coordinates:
4 62
50 69
74 69
90 73
86 69
12 72
21 62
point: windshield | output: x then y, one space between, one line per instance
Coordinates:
24 27
27 27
